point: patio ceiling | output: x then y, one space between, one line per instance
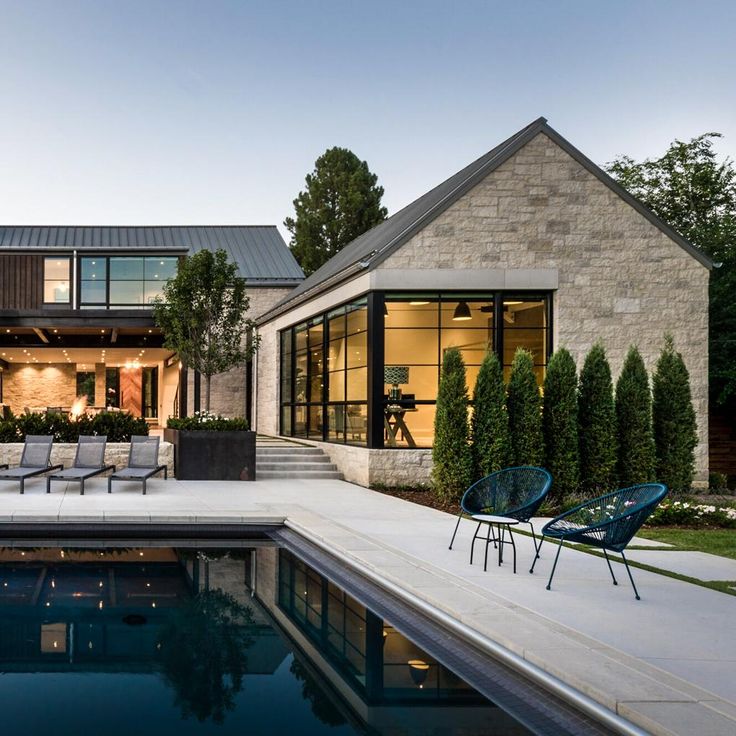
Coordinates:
84 358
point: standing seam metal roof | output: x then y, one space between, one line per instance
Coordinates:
259 251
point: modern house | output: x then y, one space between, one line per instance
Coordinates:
75 315
531 245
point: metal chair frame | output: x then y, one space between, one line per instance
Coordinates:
84 471
134 471
615 517
27 469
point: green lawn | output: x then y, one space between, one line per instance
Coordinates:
715 541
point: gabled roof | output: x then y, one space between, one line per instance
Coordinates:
260 252
373 247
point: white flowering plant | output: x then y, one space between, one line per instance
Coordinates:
690 514
207 420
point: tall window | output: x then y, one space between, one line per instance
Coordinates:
56 281
130 282
324 376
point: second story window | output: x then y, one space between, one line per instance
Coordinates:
126 282
56 280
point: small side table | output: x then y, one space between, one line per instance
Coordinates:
502 523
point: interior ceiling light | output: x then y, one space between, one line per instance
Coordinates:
462 312
418 303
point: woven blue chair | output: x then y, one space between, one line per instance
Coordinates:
516 493
608 522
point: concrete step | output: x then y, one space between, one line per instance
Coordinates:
291 467
298 458
301 474
291 450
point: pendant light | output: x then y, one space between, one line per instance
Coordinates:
462 312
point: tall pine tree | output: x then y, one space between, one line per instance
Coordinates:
597 419
560 423
341 201
634 422
524 407
675 429
490 421
452 470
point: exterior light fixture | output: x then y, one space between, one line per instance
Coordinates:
462 312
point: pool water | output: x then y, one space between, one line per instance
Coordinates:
182 640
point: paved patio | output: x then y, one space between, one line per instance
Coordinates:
666 662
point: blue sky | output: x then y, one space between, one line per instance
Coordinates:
176 112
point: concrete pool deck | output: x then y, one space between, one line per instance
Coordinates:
665 663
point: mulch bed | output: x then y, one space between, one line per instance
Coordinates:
421 496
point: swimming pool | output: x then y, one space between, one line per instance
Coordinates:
253 636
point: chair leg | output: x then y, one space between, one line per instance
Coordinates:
534 539
501 542
488 543
144 486
609 566
472 546
452 541
109 484
81 487
513 546
22 485
552 574
48 485
166 477
536 557
628 570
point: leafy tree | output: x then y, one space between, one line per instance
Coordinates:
675 428
696 194
525 415
560 422
597 418
341 201
452 470
489 426
634 422
204 649
203 316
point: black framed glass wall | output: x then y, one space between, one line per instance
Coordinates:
352 374
129 282
324 376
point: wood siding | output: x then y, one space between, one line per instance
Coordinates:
722 426
21 281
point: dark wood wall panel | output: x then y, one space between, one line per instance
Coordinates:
722 442
21 281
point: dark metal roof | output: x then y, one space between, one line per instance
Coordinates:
368 250
259 251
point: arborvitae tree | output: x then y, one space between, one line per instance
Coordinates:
341 201
634 422
524 408
560 423
597 418
452 472
490 421
675 428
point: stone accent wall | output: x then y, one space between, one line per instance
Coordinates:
267 381
116 453
39 385
621 279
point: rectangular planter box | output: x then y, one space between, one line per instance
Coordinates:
204 455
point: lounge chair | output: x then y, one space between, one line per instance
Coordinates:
142 462
88 462
34 460
514 493
608 522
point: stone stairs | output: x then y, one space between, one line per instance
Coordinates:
277 458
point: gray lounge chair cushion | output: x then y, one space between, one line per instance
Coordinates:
36 451
75 473
90 452
15 473
134 473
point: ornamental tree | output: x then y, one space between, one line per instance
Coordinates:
560 423
202 315
452 470
634 422
675 427
525 415
489 426
341 201
597 420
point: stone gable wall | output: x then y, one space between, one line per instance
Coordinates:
621 279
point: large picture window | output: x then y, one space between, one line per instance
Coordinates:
324 376
129 282
325 361
56 281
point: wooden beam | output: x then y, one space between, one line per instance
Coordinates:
41 334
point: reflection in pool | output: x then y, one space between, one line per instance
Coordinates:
248 640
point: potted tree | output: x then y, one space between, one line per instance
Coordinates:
203 317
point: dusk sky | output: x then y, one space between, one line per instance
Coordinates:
122 112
